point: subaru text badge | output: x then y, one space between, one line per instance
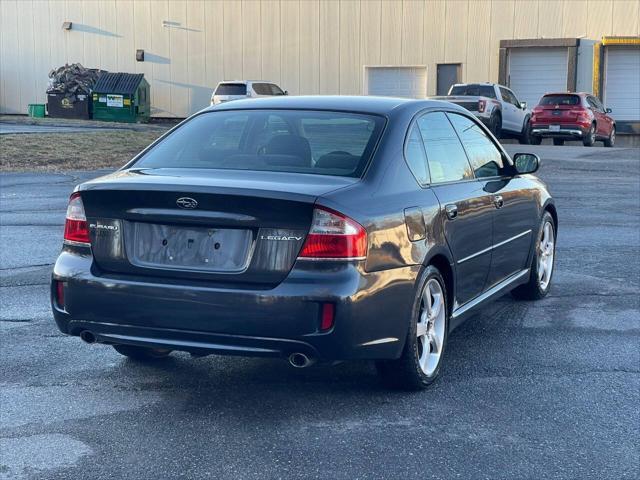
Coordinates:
187 202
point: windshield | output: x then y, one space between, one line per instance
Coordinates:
318 142
560 100
231 89
473 90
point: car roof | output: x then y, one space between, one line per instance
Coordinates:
245 81
360 104
581 94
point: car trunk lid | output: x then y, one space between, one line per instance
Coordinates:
231 227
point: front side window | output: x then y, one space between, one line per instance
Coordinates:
508 97
445 155
484 156
416 159
301 141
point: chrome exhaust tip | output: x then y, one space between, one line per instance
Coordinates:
299 360
87 337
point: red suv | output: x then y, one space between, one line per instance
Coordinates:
572 116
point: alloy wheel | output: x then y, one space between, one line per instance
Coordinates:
546 253
431 327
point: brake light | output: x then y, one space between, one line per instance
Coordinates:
76 228
482 104
334 236
580 112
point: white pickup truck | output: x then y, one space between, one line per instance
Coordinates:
496 106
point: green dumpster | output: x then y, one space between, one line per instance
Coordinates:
36 110
121 97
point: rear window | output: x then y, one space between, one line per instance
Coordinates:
560 100
302 141
231 89
473 90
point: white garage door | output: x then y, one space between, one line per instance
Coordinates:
409 82
536 71
622 82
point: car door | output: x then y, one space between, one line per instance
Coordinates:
512 114
520 113
467 209
604 121
512 198
508 110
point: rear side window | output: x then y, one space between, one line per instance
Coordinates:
301 141
267 89
231 89
416 158
261 88
485 158
275 90
560 100
445 155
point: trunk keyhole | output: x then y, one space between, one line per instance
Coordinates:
190 243
164 242
216 246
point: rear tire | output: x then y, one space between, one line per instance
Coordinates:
542 263
610 142
142 354
495 125
425 345
590 137
558 141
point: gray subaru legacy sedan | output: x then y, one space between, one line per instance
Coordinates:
316 229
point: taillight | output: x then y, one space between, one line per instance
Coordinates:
76 228
334 236
580 112
482 104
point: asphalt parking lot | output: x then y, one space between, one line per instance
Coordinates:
529 390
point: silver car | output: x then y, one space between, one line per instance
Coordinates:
238 89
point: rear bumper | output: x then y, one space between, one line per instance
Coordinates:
371 311
565 131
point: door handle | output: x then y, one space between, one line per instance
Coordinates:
498 201
452 211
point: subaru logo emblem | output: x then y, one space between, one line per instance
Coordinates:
187 202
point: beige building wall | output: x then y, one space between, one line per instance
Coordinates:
306 46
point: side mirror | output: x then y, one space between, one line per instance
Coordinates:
523 105
526 162
608 110
286 92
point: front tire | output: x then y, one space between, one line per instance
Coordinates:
542 264
421 358
142 354
525 136
610 142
